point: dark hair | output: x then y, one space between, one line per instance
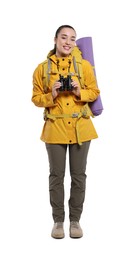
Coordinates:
61 27
53 51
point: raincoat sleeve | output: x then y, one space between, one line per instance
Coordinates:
90 91
39 97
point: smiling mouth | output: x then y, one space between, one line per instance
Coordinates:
67 48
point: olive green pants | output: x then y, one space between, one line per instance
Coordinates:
77 165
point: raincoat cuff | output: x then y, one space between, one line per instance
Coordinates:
83 96
49 100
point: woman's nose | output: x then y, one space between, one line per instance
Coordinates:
67 41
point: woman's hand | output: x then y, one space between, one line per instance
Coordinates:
55 89
76 88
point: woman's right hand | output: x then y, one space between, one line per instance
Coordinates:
55 89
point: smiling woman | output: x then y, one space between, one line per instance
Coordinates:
65 40
67 124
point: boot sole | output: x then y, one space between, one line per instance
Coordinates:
58 237
75 237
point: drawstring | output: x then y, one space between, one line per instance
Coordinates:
58 64
69 62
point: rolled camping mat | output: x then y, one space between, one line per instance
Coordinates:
86 48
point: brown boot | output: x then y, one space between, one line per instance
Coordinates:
58 230
75 230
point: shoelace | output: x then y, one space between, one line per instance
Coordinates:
59 225
74 224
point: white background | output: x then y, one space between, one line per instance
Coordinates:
27 30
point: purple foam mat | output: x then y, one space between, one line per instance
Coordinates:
86 47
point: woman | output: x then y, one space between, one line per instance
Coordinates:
67 125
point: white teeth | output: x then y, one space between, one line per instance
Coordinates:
66 48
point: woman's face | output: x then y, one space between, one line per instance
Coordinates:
65 42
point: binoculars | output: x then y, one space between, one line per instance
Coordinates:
65 83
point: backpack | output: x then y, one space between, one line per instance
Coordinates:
83 50
77 61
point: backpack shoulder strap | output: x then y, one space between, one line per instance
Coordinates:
77 61
46 73
79 70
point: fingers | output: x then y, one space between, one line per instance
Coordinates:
76 88
55 89
75 84
56 86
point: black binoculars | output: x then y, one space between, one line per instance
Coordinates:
65 83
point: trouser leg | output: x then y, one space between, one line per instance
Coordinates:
57 160
78 160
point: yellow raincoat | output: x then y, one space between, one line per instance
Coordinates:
66 122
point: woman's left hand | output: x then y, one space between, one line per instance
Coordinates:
76 88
